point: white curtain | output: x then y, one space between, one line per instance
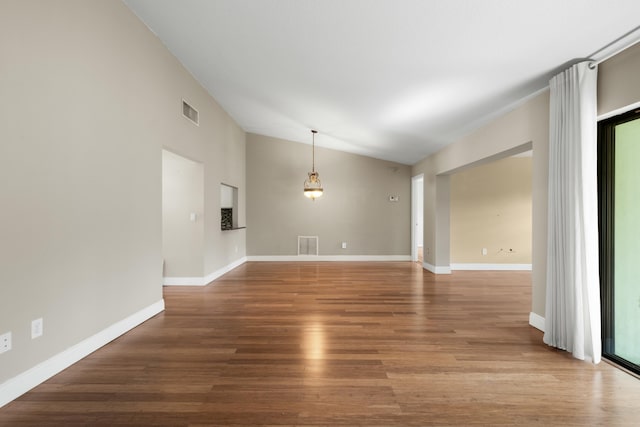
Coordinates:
572 318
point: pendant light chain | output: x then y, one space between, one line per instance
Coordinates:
312 185
313 150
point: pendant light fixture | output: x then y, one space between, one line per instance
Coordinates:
312 185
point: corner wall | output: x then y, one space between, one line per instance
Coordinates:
527 124
519 130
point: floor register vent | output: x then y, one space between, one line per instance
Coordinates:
307 245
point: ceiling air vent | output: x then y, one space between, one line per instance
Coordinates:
189 112
307 245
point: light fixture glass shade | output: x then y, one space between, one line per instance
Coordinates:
313 186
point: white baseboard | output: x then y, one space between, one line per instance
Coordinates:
202 281
224 270
536 321
319 258
183 281
22 383
436 270
499 267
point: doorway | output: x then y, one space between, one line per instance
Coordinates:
182 216
417 218
619 180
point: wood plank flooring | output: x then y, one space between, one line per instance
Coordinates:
335 344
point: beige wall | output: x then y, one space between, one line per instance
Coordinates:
90 98
618 81
355 207
225 146
218 143
491 208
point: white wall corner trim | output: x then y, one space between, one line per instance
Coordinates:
224 270
202 281
436 270
536 321
324 258
22 383
483 266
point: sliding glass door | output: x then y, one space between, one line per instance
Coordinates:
619 170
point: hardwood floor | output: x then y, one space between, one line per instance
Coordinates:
335 344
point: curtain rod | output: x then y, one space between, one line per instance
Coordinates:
610 50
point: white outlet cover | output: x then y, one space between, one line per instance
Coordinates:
36 328
5 342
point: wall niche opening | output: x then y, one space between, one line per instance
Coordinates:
228 207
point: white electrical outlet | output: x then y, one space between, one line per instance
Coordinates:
344 245
5 342
484 251
36 328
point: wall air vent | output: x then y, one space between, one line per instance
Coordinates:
307 245
189 112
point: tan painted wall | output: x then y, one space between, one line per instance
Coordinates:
491 208
89 99
355 207
618 81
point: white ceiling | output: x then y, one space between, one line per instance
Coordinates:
391 79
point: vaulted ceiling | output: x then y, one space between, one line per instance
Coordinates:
391 79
